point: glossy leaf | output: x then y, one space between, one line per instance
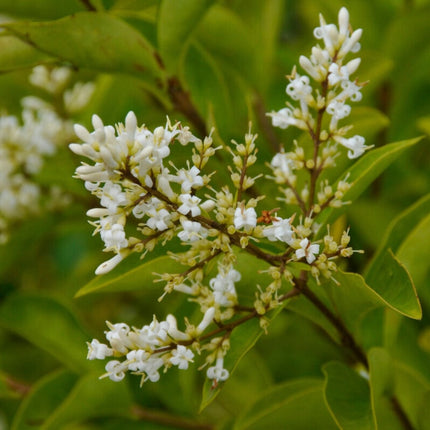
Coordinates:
348 397
364 172
48 324
242 339
392 282
133 274
45 396
16 54
177 20
91 40
414 252
226 37
381 381
296 404
42 9
399 229
90 398
411 389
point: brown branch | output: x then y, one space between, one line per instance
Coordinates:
182 102
88 5
169 420
264 123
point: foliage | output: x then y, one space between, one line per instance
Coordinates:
350 351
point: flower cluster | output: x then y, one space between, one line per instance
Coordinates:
26 143
146 201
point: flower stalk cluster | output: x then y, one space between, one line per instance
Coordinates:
146 201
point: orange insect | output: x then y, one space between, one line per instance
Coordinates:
266 216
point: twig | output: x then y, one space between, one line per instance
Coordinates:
169 420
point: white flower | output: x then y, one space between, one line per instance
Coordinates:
115 370
279 230
113 197
98 350
159 219
223 287
189 179
338 109
284 118
118 337
114 237
299 87
355 145
307 250
245 218
192 231
189 204
217 372
282 162
181 356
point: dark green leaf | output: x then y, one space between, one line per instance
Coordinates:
243 338
133 274
392 282
177 19
45 396
399 229
41 9
364 172
411 390
90 398
16 54
348 397
296 404
48 324
381 380
91 40
414 252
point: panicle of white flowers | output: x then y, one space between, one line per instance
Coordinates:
26 144
145 200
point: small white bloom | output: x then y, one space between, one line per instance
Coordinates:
217 372
181 356
159 219
115 370
355 145
192 231
98 350
284 118
189 179
279 230
189 204
307 250
245 218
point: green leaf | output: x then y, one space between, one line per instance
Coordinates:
16 54
229 40
363 173
381 380
133 274
90 398
45 396
348 397
414 252
242 339
48 324
200 68
177 20
41 9
296 404
411 390
399 228
93 41
392 282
